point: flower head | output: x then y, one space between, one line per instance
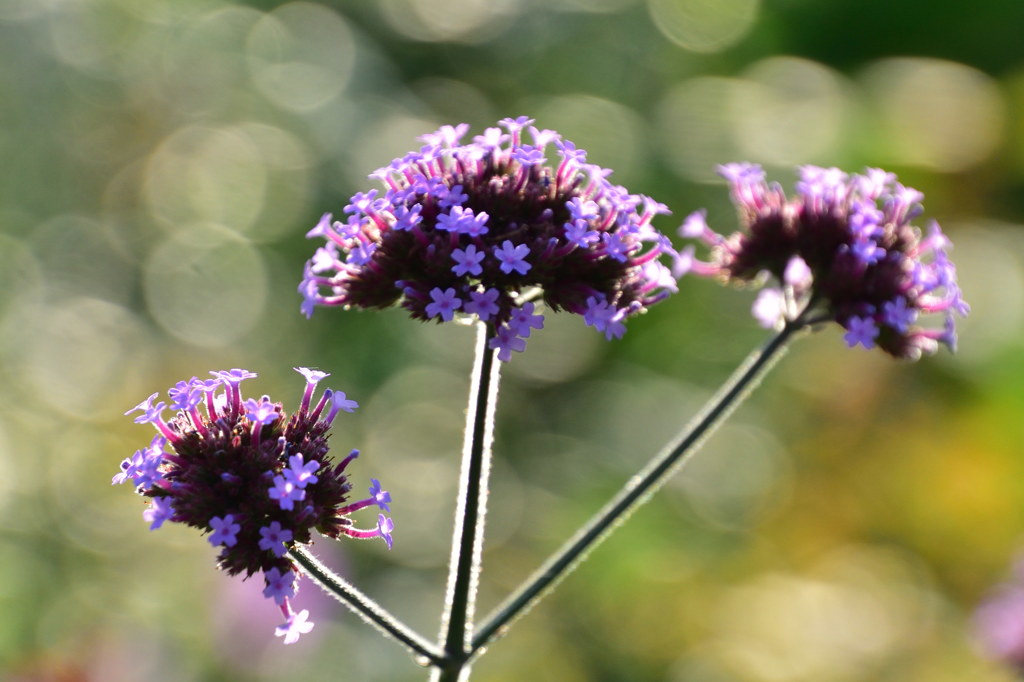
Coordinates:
843 249
256 479
482 228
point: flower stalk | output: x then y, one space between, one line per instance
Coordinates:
369 610
468 536
639 488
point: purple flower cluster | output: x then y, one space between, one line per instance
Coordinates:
256 479
999 622
482 228
844 249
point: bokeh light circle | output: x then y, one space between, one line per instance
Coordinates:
20 10
737 480
288 161
470 21
21 275
612 134
935 113
205 174
389 135
704 26
456 101
301 55
82 356
788 111
82 256
593 6
990 265
206 285
838 620
415 423
9 480
204 71
694 128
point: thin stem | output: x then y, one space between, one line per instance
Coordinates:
372 612
638 489
468 536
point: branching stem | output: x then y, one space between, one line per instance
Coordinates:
369 610
638 488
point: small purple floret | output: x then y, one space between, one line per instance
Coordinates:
225 531
280 586
523 320
286 493
300 473
275 539
512 257
445 304
260 411
296 625
505 341
483 304
159 511
381 497
385 526
467 261
861 330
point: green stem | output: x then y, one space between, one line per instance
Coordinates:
638 489
371 612
468 537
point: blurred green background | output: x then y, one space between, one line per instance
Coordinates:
161 163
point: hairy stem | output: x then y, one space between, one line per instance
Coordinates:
639 488
468 537
369 610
